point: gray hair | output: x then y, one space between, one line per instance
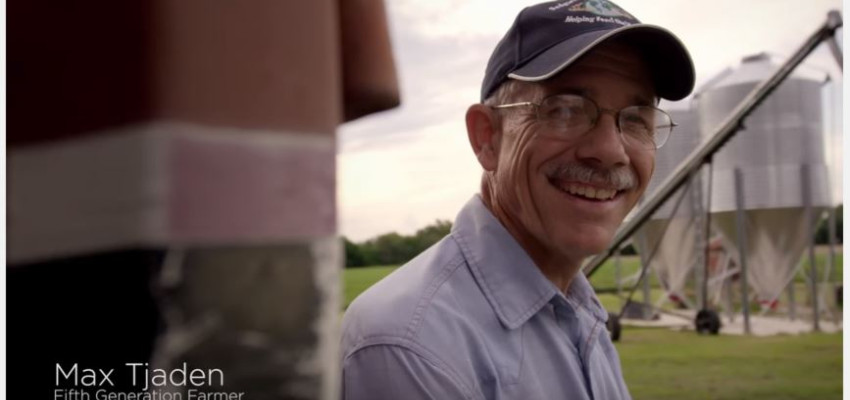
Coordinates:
508 92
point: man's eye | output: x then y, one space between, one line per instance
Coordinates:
635 122
563 113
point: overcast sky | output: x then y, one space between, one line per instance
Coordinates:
402 169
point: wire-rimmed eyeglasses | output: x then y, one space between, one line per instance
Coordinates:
641 126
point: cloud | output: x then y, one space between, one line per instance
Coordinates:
440 78
401 169
456 19
408 185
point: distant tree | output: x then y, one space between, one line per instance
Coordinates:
353 255
387 249
427 236
393 248
628 250
822 234
368 253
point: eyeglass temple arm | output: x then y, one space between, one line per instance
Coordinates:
524 103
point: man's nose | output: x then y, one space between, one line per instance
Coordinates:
603 145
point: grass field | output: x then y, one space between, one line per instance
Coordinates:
605 276
359 279
356 280
664 364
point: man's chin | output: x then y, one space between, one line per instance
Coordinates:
587 246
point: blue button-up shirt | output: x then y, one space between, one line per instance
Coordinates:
473 318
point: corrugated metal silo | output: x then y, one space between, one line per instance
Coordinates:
780 153
674 225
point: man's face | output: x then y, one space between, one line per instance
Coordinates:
548 186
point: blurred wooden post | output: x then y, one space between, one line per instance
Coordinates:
171 192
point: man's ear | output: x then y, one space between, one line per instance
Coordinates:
484 132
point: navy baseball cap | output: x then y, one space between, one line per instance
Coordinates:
548 37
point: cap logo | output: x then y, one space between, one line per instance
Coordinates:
562 5
601 7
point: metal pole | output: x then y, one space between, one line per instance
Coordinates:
828 266
835 17
741 223
705 271
831 228
699 275
700 213
810 227
727 129
647 301
730 299
652 253
645 258
792 302
617 278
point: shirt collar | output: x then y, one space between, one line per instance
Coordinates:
581 294
514 286
509 279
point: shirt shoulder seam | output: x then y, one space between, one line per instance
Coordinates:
416 320
496 304
419 351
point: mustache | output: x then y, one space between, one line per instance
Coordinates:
620 178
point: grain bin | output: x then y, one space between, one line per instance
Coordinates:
676 223
780 153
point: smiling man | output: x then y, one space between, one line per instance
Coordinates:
566 134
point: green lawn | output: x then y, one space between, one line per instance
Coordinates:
821 255
356 280
663 364
605 276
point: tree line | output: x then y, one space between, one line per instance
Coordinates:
394 249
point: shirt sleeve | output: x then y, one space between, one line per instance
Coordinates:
388 372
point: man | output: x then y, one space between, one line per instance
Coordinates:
566 134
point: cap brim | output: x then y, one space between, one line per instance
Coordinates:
670 64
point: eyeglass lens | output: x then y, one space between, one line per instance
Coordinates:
643 126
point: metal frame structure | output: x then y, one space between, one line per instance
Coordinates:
703 154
